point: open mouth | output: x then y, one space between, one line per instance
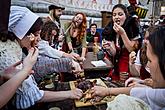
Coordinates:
117 21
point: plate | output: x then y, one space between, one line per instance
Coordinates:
80 103
49 86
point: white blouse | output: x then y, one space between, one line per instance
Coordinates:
28 93
10 53
47 50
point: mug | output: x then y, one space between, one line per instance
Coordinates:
100 55
124 76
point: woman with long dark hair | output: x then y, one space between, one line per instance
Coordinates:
122 37
153 96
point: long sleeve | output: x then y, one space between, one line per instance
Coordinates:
45 49
46 65
153 97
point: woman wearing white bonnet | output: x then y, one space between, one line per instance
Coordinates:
20 22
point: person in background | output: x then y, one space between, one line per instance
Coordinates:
76 35
154 96
138 64
48 32
93 33
55 13
24 30
121 37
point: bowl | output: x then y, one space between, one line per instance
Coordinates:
54 108
49 86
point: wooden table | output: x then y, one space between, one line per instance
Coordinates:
70 104
95 72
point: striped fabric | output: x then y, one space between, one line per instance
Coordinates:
46 65
28 94
142 12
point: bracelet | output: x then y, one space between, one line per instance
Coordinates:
109 92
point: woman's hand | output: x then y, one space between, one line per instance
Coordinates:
76 67
11 71
118 29
106 44
75 94
12 68
132 57
30 59
75 54
148 82
100 91
133 81
82 59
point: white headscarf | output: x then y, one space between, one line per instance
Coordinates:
21 20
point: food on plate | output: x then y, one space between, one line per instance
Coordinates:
86 86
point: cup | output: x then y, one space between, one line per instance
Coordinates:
100 55
124 76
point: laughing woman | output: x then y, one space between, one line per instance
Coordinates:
76 35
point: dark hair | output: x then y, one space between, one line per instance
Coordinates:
157 41
123 7
5 36
143 56
51 7
131 10
130 26
36 26
46 30
93 24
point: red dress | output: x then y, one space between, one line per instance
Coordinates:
122 65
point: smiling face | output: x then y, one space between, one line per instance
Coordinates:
58 13
155 72
26 41
78 19
118 16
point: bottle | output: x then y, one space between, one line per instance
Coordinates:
95 46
